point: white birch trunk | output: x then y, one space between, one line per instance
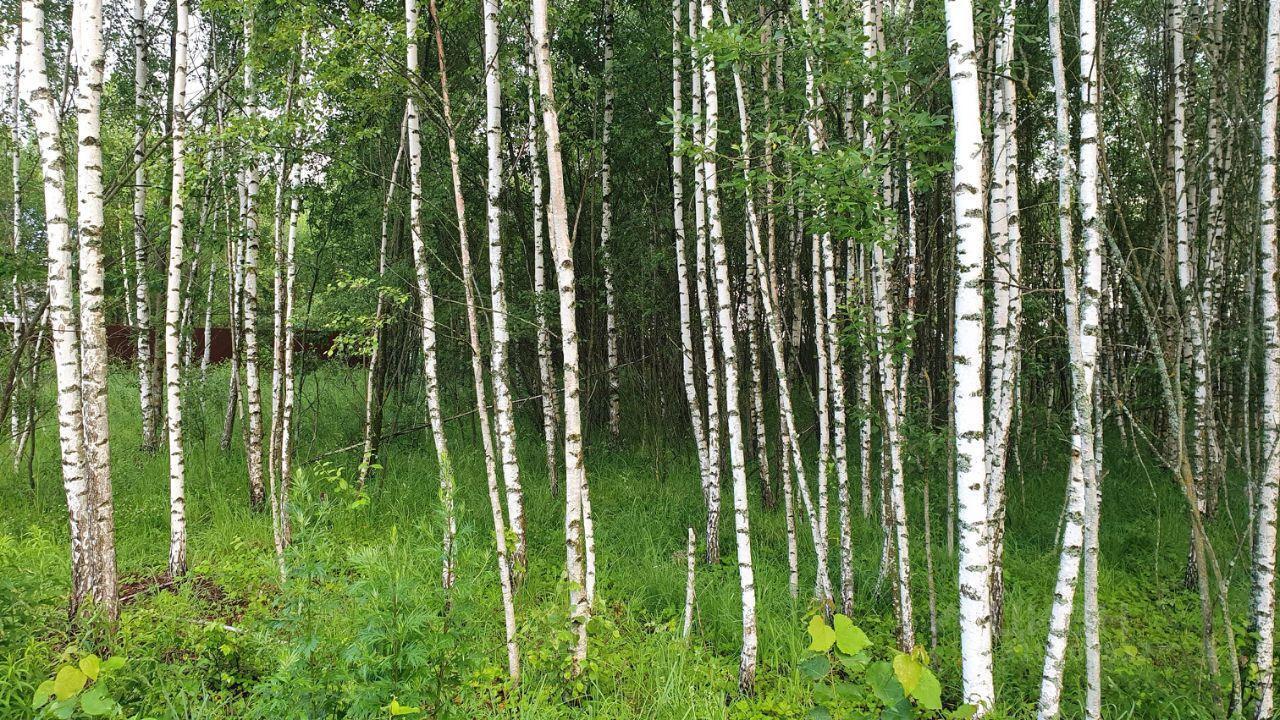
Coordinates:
86 31
173 305
504 413
606 235
1004 350
690 590
728 350
141 252
1263 599
687 352
249 318
482 414
426 296
711 477
64 325
546 367
967 401
576 539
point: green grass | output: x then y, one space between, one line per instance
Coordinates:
361 619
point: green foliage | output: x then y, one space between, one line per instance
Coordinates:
845 665
79 689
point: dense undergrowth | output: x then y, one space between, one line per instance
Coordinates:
362 629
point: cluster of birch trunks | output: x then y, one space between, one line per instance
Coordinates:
740 333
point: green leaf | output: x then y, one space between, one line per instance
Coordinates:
884 684
63 709
964 712
95 702
854 663
819 713
928 691
823 636
849 637
113 663
68 682
397 709
90 665
43 694
816 667
907 670
900 710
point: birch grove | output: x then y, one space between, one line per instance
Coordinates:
1050 274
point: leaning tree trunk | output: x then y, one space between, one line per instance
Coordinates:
577 540
967 400
427 298
376 375
173 305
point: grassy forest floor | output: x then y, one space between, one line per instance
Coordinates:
362 619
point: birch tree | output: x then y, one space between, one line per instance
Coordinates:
503 410
606 229
728 350
577 540
1263 599
967 400
142 298
90 59
173 304
249 309
428 329
92 584
546 369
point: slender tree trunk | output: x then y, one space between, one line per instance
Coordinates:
711 478
429 359
249 334
374 379
728 350
1262 616
967 401
504 412
173 305
688 354
577 540
606 233
546 367
1004 349
142 254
